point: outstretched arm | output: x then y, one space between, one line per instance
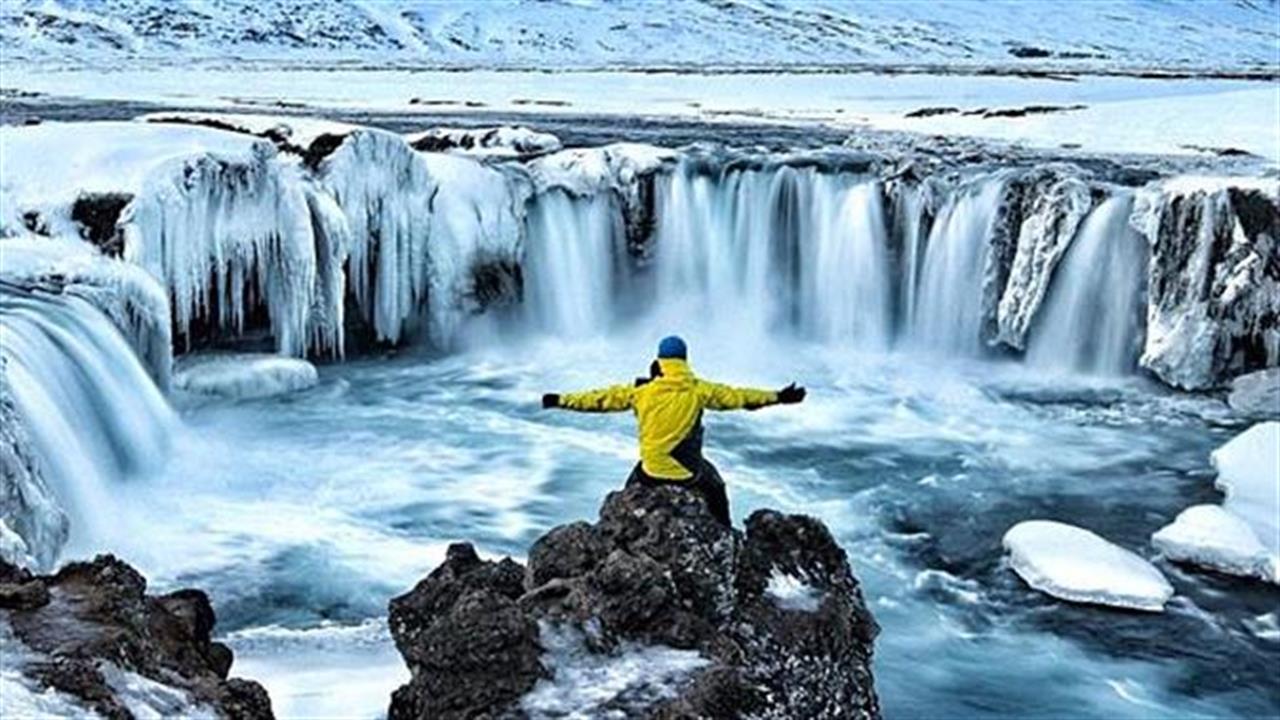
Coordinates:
614 398
726 397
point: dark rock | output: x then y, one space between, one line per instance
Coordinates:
469 647
931 111
98 215
91 613
656 569
23 595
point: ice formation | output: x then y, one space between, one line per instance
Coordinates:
1074 564
307 230
1214 285
243 375
1249 473
1256 394
1057 204
1210 536
33 527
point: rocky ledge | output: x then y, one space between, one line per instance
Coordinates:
89 638
656 610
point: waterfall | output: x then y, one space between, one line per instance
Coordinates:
93 414
947 310
576 248
1092 318
786 248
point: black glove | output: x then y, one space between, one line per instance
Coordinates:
550 400
791 394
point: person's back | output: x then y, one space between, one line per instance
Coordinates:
668 407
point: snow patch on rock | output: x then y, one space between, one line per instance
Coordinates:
585 684
244 375
792 593
1074 564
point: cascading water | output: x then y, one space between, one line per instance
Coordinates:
947 311
1092 318
94 415
575 248
790 248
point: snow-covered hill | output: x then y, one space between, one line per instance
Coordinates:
1186 34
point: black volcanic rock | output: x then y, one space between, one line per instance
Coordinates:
655 570
90 618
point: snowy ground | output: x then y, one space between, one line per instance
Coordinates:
1120 114
1101 34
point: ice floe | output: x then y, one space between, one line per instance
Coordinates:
1074 564
243 375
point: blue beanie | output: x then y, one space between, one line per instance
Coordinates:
673 347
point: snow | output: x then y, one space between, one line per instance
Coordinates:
1210 536
586 684
1074 564
792 593
639 33
587 171
47 166
501 141
1249 473
243 375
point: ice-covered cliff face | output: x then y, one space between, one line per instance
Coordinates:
630 33
1213 306
324 230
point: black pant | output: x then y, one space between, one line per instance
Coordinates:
706 482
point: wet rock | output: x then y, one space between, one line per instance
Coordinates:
656 570
93 619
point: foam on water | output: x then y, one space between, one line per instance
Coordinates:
323 504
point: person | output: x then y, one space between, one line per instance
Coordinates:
668 406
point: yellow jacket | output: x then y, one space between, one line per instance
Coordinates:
669 414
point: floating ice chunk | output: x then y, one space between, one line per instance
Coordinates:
1074 564
1249 473
586 684
1256 394
1210 536
791 593
244 375
504 141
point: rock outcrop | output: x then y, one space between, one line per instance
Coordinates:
768 623
90 631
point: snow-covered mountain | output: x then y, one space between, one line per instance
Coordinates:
1188 34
